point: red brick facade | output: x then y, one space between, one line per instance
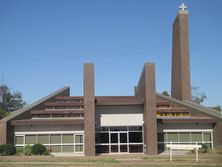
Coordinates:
147 89
180 88
89 110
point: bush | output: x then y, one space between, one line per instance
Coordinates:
38 149
1 149
204 148
47 152
27 150
19 151
7 149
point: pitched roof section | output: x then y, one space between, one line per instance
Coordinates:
31 106
193 106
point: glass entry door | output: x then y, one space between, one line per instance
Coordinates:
119 143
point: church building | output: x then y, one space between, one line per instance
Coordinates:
89 125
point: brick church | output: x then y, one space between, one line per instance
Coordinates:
89 125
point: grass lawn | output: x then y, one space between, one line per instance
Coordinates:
110 161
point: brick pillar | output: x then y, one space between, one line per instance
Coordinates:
180 84
3 132
89 110
149 115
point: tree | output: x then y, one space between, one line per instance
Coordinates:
218 108
165 93
198 97
9 101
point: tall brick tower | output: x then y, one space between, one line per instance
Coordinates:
180 84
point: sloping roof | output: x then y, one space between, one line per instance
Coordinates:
193 106
29 107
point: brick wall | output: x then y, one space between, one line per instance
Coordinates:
180 84
146 88
89 110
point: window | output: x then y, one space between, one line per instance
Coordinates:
184 137
135 137
79 148
207 137
67 138
30 139
67 148
78 138
172 137
57 142
55 138
102 137
19 139
43 139
119 139
196 137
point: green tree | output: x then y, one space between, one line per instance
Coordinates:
9 101
165 93
217 108
198 97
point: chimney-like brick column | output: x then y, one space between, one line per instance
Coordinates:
89 110
3 132
180 84
149 115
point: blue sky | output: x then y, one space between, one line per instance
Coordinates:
44 44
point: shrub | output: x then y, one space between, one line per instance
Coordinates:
1 149
7 149
204 148
27 150
47 152
19 151
38 149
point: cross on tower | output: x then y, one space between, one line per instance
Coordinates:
182 6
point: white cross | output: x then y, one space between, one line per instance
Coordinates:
182 7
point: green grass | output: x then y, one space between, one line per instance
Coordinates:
111 161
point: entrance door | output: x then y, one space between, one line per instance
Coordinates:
119 142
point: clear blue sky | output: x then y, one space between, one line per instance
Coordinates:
44 44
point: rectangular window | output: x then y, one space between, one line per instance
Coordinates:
19 139
69 148
55 148
67 138
118 128
102 137
207 137
55 138
102 149
160 137
43 139
30 139
79 148
135 128
78 138
135 148
196 137
184 137
172 137
135 137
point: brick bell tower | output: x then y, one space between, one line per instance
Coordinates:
180 84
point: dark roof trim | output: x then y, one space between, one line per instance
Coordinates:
29 107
